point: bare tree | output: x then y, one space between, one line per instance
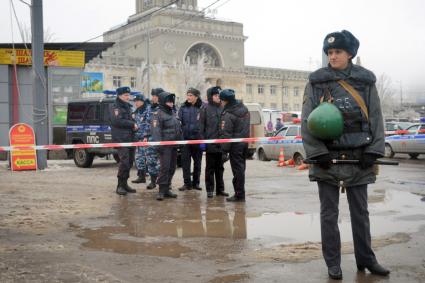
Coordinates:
386 94
409 114
48 35
193 75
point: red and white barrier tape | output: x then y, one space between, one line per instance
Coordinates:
133 144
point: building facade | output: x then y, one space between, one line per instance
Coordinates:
178 46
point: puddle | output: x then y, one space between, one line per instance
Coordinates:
230 278
157 230
397 212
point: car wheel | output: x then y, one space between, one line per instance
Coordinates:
389 151
262 155
414 155
83 158
298 159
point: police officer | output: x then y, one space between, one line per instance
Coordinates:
142 117
210 127
234 123
361 138
189 115
166 127
123 128
152 156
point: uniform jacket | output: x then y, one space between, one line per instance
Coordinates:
189 116
360 135
210 124
122 122
234 123
143 119
165 126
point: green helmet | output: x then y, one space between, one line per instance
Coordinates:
326 122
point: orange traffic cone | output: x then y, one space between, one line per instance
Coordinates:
303 166
290 162
281 161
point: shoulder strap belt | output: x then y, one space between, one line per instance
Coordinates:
356 97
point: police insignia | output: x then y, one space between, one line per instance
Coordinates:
116 112
331 39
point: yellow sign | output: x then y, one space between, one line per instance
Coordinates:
25 162
59 58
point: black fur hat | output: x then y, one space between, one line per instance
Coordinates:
341 40
156 91
213 90
227 95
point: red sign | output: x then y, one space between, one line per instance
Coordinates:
22 159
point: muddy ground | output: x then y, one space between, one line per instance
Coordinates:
66 224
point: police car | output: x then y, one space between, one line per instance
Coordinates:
394 128
88 122
292 145
410 141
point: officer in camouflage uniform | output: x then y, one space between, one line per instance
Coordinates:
142 117
146 157
152 156
362 139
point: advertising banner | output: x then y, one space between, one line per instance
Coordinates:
22 159
60 58
91 82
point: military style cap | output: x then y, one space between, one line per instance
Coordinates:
139 97
227 94
341 40
122 90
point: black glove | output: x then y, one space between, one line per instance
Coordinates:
367 160
224 157
324 161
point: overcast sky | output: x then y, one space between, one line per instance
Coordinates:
281 33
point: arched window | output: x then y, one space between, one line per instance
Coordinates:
204 52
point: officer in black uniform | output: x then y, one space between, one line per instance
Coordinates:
234 123
209 129
166 127
123 128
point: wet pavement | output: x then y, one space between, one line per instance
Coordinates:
66 224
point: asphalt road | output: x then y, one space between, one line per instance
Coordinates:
66 224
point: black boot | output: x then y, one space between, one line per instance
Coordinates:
222 193
169 194
162 190
120 188
152 184
235 198
376 269
141 177
127 187
335 272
